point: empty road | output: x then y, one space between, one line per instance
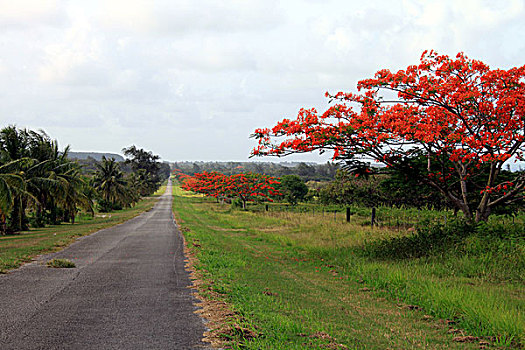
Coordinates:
129 290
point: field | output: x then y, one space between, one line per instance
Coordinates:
308 279
18 249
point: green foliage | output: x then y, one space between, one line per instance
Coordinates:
110 183
148 171
237 203
293 188
348 189
39 178
405 188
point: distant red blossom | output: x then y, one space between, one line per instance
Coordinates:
246 186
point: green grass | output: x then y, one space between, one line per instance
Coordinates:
290 276
60 263
18 249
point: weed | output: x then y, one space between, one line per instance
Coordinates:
60 263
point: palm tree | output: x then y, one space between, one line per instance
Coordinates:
13 147
57 182
142 182
110 183
53 185
11 185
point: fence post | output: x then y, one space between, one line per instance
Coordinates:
347 214
373 217
266 207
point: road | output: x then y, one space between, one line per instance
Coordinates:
129 290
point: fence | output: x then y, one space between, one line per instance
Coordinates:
391 217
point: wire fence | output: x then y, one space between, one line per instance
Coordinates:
390 217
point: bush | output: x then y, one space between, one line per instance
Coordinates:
237 203
106 207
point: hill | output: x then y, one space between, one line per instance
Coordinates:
95 155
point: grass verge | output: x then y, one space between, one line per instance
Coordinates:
18 249
299 283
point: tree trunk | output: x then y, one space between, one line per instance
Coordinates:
39 215
482 215
3 226
15 220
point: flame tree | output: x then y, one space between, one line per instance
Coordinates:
246 187
451 122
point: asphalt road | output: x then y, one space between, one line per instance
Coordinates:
129 290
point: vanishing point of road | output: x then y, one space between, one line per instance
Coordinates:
129 290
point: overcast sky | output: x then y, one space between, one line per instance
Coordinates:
190 80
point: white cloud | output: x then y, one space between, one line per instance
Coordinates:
166 17
21 13
77 47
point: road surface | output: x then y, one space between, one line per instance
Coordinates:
129 290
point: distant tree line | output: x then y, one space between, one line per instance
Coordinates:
40 185
307 171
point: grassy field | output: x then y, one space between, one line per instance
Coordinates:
18 249
302 281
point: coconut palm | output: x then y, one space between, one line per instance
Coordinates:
53 186
11 185
110 183
14 147
56 181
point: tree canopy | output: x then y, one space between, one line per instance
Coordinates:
246 187
293 188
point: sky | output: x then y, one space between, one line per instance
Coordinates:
191 80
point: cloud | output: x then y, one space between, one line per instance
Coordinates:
77 47
25 13
186 16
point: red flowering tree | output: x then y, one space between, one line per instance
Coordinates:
463 118
209 183
246 187
251 186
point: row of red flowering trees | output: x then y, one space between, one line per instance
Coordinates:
246 187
